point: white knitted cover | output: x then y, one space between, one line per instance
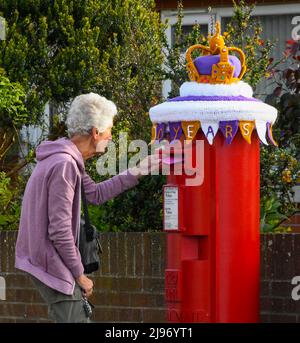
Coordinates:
207 89
213 110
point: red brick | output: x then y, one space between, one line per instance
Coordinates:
147 300
18 280
113 253
12 309
7 320
154 316
277 305
134 253
110 299
147 255
154 284
22 320
36 311
122 296
265 304
121 250
10 295
296 242
3 251
11 249
295 219
139 251
44 321
154 255
281 288
130 315
105 314
283 318
105 283
267 246
28 296
265 318
265 288
129 284
104 265
263 258
157 255
292 306
282 260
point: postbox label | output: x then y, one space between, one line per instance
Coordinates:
171 208
173 284
187 316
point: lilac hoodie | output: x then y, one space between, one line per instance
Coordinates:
47 244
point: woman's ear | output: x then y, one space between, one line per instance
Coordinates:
95 132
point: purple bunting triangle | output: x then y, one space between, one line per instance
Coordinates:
270 134
160 131
229 129
175 130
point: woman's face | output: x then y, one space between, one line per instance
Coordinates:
101 139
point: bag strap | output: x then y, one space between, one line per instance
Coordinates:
88 228
84 203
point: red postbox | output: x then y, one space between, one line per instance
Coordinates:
212 272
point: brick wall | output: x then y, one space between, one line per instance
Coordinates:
130 286
280 262
293 222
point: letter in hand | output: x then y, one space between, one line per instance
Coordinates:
149 165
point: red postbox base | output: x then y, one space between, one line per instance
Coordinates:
212 272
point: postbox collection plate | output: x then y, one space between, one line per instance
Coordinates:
171 211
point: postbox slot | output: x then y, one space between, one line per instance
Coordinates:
171 155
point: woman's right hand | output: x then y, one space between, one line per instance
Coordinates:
85 284
149 164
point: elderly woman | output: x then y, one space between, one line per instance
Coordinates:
47 244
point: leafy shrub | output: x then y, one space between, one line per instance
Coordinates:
71 47
10 208
115 48
270 216
279 173
280 167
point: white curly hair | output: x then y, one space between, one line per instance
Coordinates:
88 111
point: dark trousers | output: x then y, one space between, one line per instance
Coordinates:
63 308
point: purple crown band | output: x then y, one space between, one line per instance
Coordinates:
213 98
204 64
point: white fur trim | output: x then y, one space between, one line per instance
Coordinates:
207 89
261 129
212 111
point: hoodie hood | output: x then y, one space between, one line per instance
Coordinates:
61 145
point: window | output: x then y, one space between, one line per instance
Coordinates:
278 29
276 21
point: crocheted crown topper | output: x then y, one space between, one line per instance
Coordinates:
216 66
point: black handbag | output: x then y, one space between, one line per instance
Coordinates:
89 243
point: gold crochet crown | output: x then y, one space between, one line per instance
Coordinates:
223 71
